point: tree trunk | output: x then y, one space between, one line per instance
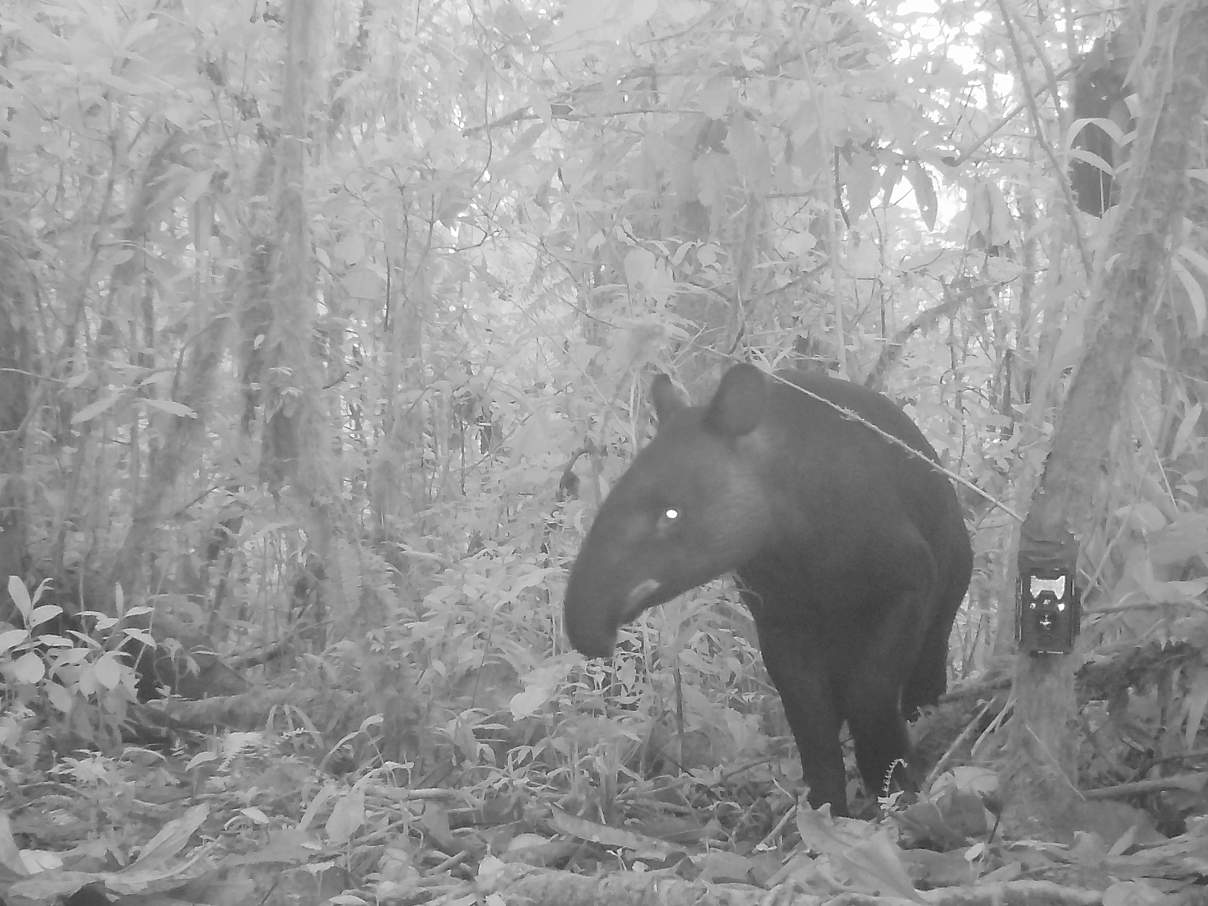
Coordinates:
296 442
1040 779
14 408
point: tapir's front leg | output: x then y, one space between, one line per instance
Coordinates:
797 669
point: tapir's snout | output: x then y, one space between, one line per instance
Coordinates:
591 623
590 619
597 644
590 626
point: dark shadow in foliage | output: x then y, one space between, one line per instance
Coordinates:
568 489
1098 95
182 662
1137 760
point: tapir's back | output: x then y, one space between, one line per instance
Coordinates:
866 491
838 458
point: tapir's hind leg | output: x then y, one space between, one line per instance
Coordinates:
930 677
877 726
890 661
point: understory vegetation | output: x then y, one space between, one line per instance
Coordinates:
326 327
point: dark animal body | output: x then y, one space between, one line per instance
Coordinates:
851 554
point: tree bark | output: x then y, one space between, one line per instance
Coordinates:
1040 778
296 441
291 381
15 390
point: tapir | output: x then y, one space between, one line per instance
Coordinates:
850 552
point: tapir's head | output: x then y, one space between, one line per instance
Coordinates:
694 504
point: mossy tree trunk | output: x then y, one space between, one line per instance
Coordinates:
1040 777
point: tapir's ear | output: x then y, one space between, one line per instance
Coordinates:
739 401
668 399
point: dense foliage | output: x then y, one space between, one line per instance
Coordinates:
324 329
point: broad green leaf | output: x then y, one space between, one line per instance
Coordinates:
11 638
20 595
139 611
1193 256
347 815
1109 126
141 635
108 670
10 854
876 865
42 613
1088 157
989 212
92 410
526 703
1195 294
201 758
53 640
77 380
1186 430
171 838
889 180
924 193
606 835
326 794
29 668
1195 704
60 697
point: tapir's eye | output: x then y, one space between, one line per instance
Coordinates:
669 517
